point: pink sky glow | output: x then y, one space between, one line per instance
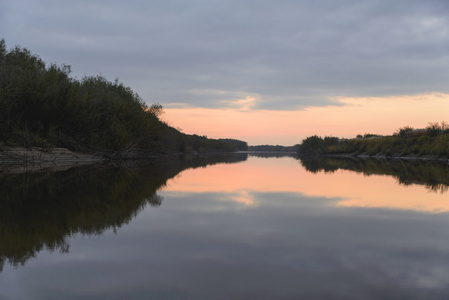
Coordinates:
349 117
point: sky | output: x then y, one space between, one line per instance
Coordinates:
267 72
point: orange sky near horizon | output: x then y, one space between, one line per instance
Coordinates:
349 117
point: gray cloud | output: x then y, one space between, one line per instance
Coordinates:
292 54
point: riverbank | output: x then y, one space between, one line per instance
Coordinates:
19 158
35 159
431 143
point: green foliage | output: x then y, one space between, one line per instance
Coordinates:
156 110
312 145
315 145
404 131
42 106
435 129
434 141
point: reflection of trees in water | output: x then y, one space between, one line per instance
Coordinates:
41 210
442 188
271 154
433 175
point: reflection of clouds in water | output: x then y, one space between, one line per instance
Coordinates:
245 198
284 175
380 246
227 232
288 245
432 204
219 201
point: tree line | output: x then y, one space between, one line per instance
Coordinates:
432 140
272 148
41 105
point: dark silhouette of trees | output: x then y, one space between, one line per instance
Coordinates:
41 210
273 148
43 106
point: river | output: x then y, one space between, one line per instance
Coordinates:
227 227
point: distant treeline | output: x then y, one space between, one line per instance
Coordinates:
41 105
430 141
272 148
239 145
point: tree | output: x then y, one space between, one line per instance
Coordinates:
404 131
312 145
156 110
2 48
434 129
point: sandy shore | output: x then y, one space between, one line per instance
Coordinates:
20 159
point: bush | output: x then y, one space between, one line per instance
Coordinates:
406 141
42 105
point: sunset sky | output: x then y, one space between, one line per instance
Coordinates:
267 72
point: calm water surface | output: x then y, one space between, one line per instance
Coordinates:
242 227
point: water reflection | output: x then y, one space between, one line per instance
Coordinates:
272 154
433 175
351 188
292 246
42 209
258 229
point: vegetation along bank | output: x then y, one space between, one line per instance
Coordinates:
431 142
42 106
